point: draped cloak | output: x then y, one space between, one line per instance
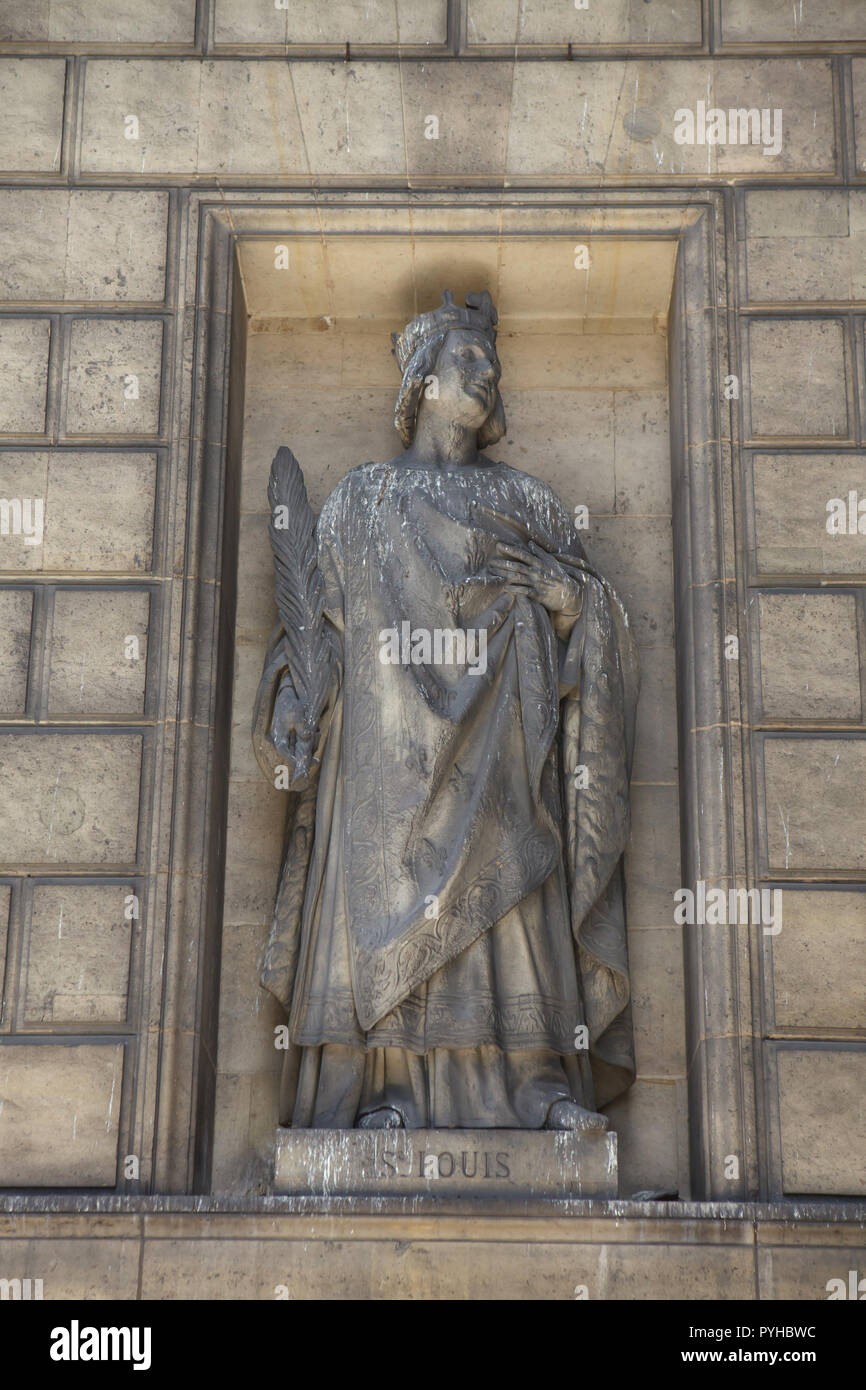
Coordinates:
452 872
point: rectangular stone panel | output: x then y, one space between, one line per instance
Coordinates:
793 212
799 246
797 377
565 120
780 21
23 374
78 954
95 21
819 961
31 99
616 22
810 664
448 1163
116 245
83 244
338 22
93 1266
98 652
16 607
98 511
796 497
352 118
60 1111
164 98
858 76
113 382
814 804
69 798
227 117
823 1121
582 120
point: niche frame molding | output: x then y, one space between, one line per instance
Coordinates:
727 1099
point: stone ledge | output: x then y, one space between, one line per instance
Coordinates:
844 1213
424 1247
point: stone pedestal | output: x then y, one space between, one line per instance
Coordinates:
445 1162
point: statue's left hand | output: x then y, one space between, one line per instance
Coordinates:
530 571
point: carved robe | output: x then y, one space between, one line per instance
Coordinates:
450 909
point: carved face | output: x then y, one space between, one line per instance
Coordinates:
467 371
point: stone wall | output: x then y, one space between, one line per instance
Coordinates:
122 126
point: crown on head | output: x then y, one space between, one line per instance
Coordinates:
479 315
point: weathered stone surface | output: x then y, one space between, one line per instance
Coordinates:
651 1154
114 377
16 606
574 119
823 1133
809 659
254 834
83 21
248 120
810 214
447 91
636 552
98 510
652 862
658 994
164 96
797 373
858 72
284 1248
775 21
83 244
351 118
814 803
566 120
792 494
805 245
817 961
31 97
69 799
550 22
341 21
98 655
61 1111
23 375
78 952
447 1162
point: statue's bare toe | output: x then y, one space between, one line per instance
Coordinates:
567 1114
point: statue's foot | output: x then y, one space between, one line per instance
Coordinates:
385 1118
567 1114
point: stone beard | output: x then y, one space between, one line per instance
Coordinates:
449 926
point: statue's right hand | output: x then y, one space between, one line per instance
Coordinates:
289 734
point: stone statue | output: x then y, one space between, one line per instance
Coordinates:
450 695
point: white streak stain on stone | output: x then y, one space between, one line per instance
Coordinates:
110 1104
785 828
